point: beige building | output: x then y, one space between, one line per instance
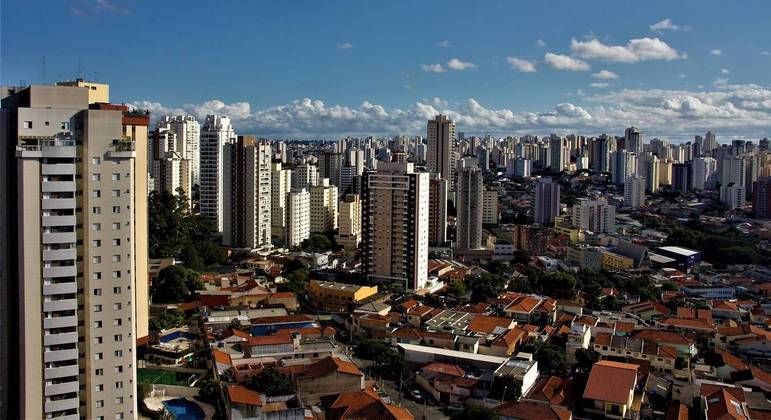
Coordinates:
97 92
437 208
441 141
469 204
490 212
174 174
281 184
349 222
395 225
323 206
246 193
79 194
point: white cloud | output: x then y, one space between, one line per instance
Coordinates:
764 53
540 43
564 62
731 110
345 46
725 71
525 66
667 25
716 51
456 64
605 75
599 85
443 44
432 68
642 49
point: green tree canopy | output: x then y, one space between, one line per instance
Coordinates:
169 318
174 284
317 242
272 382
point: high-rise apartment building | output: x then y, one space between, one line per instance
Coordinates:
761 198
594 215
622 165
298 223
437 209
652 172
173 173
187 131
704 173
560 154
441 141
215 134
73 301
323 207
470 189
633 140
710 143
349 222
395 225
304 176
280 185
490 212
247 193
546 201
330 165
733 195
682 178
634 191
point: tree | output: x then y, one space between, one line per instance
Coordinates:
562 285
272 383
506 388
169 318
209 391
476 412
585 359
317 242
174 284
551 359
167 218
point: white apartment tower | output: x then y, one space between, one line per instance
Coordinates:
634 191
395 225
188 136
281 184
247 193
594 215
74 224
323 211
215 134
298 223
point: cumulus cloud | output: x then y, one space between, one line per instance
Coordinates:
565 62
599 85
729 109
667 25
443 44
540 43
432 68
716 51
764 53
85 8
605 75
642 49
456 64
525 66
345 46
725 71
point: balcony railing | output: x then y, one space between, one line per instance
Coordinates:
124 144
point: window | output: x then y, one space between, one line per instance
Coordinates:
116 226
118 369
116 290
27 124
99 403
95 161
116 274
96 260
98 356
97 308
118 337
117 322
96 193
96 210
116 242
116 306
97 340
97 275
96 243
96 226
119 416
116 258
116 193
65 125
116 209
99 388
97 324
96 177
100 372
119 385
118 353
97 292
116 177
118 400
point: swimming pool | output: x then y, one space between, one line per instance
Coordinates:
182 409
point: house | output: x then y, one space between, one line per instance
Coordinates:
361 405
616 347
243 403
338 297
685 346
646 309
720 402
530 410
579 337
271 324
522 368
552 390
327 376
611 388
447 383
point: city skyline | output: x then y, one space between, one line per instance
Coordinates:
326 71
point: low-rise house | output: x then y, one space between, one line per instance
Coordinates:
243 403
723 402
616 347
646 310
271 324
611 389
725 309
361 405
529 410
327 376
338 297
553 390
685 346
289 346
448 384
579 337
521 368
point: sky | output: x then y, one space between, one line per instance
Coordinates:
326 69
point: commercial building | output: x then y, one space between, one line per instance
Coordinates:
246 193
74 223
338 297
215 134
395 225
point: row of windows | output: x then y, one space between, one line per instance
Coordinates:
98 226
64 125
115 290
98 193
117 338
115 306
97 243
98 210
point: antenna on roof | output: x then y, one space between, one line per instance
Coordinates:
44 69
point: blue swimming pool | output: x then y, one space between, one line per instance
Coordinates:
182 409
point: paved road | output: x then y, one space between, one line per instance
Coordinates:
418 410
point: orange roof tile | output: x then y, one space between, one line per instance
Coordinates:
241 395
487 324
611 382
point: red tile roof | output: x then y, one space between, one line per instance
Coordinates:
444 369
487 324
241 395
328 365
527 410
611 382
364 405
268 340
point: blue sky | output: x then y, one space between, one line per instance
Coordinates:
366 67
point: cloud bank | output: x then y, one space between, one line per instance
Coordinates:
730 110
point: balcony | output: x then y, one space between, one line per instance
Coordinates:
63 388
62 405
59 220
61 305
60 322
124 147
58 169
59 254
60 288
58 186
58 203
61 372
61 271
59 355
